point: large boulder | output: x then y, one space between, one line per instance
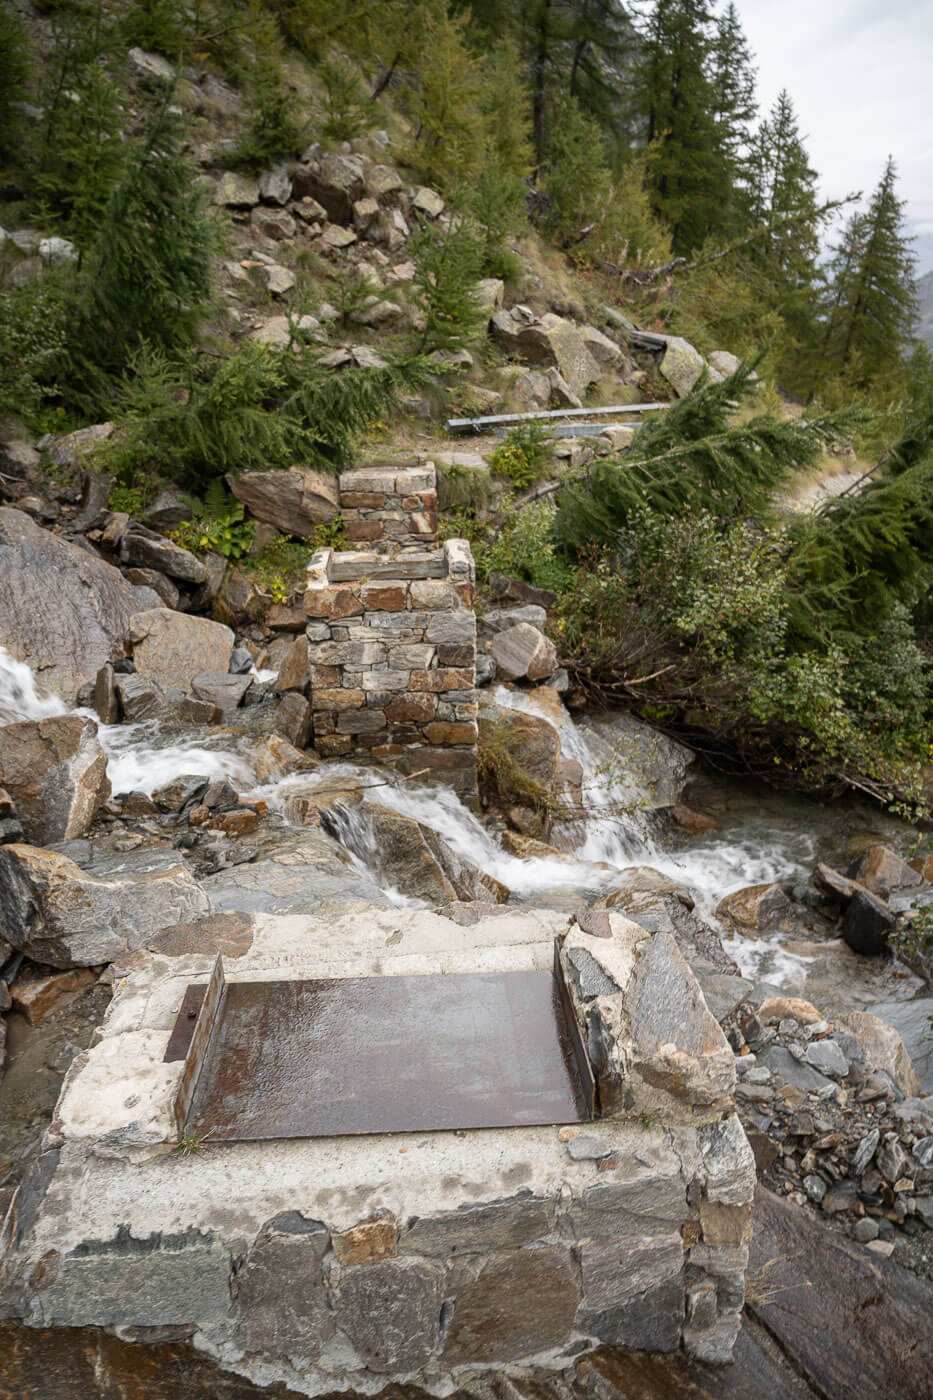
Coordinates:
522 651
756 909
682 365
548 340
56 772
883 1048
294 501
336 182
57 914
525 746
62 610
148 550
172 648
416 861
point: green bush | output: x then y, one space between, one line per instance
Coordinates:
524 455
160 26
195 417
523 547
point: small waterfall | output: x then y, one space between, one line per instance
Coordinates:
19 698
136 759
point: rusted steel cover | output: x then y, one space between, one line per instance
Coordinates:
383 1055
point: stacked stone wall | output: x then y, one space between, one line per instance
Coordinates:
387 507
392 647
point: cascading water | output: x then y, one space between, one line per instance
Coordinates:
138 757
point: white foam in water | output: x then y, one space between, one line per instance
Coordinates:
19 697
136 762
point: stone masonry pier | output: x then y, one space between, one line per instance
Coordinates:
392 644
334 1264
385 505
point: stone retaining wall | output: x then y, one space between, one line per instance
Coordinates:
392 645
385 506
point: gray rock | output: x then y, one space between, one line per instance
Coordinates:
150 69
56 773
168 510
782 1063
173 796
923 1151
294 501
235 191
494 1319
892 1160
867 923
522 651
305 873
155 1282
649 1321
281 1299
336 182
58 914
142 699
293 719
151 578
865 1151
149 550
171 648
588 978
221 689
485 668
584 1148
614 1271
65 645
241 661
865 1229
391 1312
911 1019
826 1056
653 1204
105 700
498 619
275 186
548 340
815 1187
508 1224
682 365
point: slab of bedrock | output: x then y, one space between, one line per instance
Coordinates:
349 1262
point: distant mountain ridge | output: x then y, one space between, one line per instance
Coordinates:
924 328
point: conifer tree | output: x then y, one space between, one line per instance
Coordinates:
732 75
447 105
872 287
15 67
689 171
148 276
499 193
783 199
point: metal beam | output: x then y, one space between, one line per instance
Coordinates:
479 425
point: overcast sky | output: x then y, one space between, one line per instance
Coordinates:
860 73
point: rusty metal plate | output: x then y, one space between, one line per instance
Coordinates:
380 1055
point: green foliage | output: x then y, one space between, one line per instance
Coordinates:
33 339
523 547
447 100
347 108
464 489
577 173
197 417
148 274
350 293
80 149
15 71
524 455
274 130
447 268
695 457
281 566
217 527
159 26
331 534
498 194
693 620
872 304
129 499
